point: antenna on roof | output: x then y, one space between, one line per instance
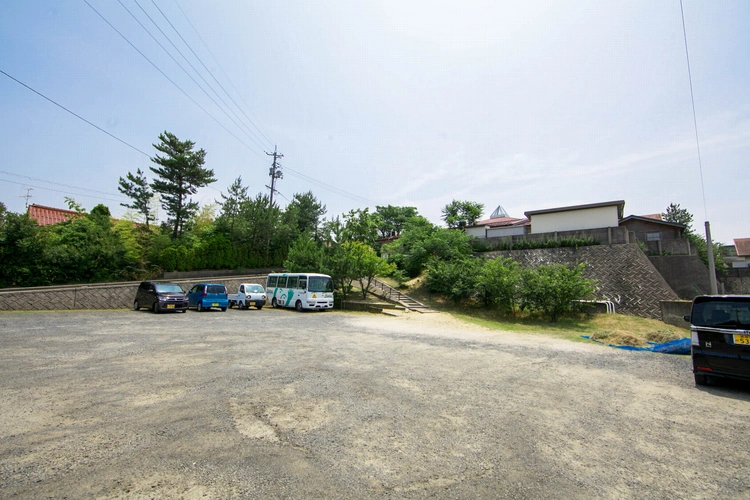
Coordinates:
499 212
27 196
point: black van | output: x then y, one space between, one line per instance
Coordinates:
720 337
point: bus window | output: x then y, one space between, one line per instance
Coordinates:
272 280
291 282
282 282
320 284
302 283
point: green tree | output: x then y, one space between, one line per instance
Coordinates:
390 220
462 213
554 289
22 247
304 214
679 215
360 225
180 173
135 186
456 278
498 283
407 252
366 264
231 204
305 255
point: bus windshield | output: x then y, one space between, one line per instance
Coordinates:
319 284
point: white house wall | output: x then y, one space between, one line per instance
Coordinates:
477 232
499 232
574 220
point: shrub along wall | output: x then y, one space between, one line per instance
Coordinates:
623 272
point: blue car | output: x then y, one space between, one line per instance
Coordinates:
204 296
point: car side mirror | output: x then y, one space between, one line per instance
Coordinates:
686 318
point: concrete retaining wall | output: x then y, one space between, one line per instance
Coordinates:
674 311
99 296
686 274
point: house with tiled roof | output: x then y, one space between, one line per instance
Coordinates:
741 254
45 216
498 225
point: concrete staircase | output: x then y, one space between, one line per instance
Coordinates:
390 294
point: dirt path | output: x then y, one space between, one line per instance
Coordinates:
277 404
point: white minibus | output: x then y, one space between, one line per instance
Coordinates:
300 290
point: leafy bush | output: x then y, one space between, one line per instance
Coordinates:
498 284
553 289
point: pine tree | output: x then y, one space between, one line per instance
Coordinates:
180 174
136 188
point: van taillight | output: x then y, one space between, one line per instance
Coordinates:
703 369
204 292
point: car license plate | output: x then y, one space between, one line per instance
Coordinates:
742 339
170 306
215 304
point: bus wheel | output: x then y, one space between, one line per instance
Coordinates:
298 306
274 304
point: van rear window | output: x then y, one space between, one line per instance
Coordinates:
216 289
719 312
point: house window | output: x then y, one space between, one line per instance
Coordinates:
653 236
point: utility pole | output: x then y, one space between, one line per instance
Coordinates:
275 172
711 264
27 196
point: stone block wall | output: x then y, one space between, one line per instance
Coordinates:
100 296
623 272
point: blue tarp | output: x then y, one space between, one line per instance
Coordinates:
679 346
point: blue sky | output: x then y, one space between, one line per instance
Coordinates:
531 106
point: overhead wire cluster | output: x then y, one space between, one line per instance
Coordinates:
256 138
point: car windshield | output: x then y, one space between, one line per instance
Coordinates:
320 284
722 312
168 288
254 289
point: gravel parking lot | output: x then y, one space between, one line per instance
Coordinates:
280 404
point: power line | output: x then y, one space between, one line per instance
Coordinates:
60 191
72 113
227 77
57 183
169 79
183 68
207 70
330 188
695 121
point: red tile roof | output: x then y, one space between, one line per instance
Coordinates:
743 247
652 216
501 222
49 215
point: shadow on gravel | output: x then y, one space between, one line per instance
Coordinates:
727 388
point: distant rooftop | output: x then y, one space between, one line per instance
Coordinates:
743 247
45 216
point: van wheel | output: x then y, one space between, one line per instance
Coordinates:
298 306
200 307
155 308
274 304
136 306
701 379
223 309
259 306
